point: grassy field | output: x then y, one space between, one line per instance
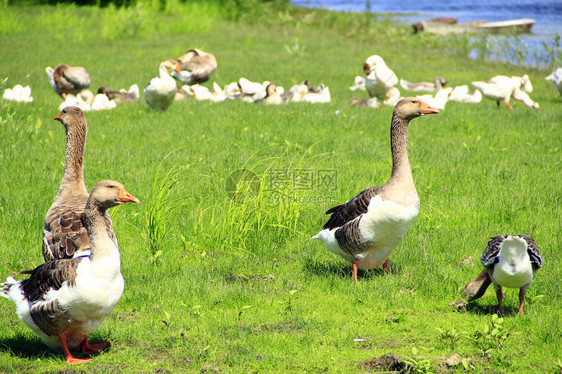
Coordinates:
214 284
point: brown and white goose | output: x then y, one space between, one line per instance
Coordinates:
195 67
64 300
67 79
509 261
366 229
64 236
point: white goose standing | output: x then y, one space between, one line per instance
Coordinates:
378 77
366 229
511 261
160 92
64 300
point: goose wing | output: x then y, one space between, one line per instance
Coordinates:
342 214
78 76
48 315
64 235
201 67
534 254
490 255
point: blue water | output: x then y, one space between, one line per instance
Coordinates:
547 13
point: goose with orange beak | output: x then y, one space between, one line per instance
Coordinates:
64 300
366 229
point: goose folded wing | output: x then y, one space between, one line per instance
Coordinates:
50 275
490 255
77 76
534 254
64 235
347 212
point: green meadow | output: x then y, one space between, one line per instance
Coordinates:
225 279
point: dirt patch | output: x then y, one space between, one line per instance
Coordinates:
387 362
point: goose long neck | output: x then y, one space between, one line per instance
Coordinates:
73 176
401 171
94 218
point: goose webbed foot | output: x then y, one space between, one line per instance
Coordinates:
86 348
70 359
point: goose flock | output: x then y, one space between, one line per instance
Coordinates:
380 82
80 283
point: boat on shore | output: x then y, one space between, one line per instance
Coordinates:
515 26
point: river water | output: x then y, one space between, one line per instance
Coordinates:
547 14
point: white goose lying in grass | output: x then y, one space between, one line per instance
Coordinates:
64 300
556 78
272 96
366 229
160 92
392 97
511 261
439 100
18 93
437 85
369 102
359 84
460 94
121 96
378 77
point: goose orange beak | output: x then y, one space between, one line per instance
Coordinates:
57 118
126 197
426 109
177 69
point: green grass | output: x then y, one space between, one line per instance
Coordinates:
238 286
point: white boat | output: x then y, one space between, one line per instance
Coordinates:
515 26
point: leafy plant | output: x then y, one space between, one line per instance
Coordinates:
450 336
492 337
418 365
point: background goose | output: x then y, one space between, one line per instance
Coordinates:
370 102
358 84
460 94
121 96
367 228
272 96
322 95
18 93
556 78
511 261
438 84
67 79
160 92
64 236
439 100
195 67
498 89
64 300
522 96
378 77
392 96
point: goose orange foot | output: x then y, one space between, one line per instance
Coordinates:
70 359
86 348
